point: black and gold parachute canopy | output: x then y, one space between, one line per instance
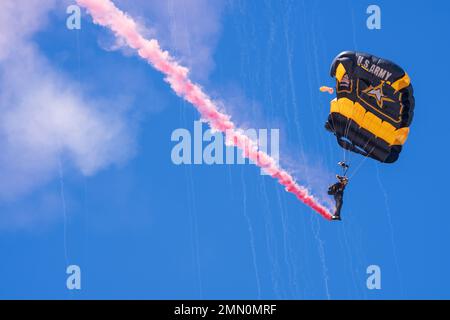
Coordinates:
374 105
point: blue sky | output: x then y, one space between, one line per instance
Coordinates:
88 178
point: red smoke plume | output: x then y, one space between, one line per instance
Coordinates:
106 14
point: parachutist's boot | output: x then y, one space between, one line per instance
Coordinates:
336 218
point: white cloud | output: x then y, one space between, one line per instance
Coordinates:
19 19
45 118
43 115
190 29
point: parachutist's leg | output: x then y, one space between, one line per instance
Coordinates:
339 203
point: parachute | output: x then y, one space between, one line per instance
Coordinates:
373 108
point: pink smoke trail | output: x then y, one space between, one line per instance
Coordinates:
106 14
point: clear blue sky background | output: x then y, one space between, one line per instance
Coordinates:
151 230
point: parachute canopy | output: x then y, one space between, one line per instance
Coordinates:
374 105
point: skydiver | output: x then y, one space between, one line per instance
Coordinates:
337 190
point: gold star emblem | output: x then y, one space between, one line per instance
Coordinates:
377 93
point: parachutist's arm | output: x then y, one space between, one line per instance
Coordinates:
333 189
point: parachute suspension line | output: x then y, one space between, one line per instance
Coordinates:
346 131
365 157
361 162
346 153
334 126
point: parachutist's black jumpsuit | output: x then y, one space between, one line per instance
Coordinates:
337 190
